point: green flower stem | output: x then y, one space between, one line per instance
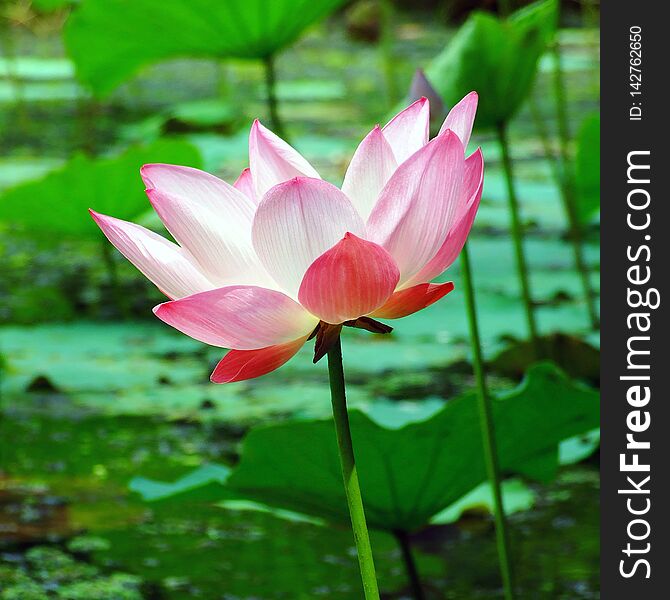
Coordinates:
386 50
410 565
224 88
88 115
351 485
567 185
569 202
517 238
115 285
271 96
8 48
589 13
487 429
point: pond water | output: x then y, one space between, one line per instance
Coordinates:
186 550
94 393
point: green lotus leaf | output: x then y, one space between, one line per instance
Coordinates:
110 40
587 169
58 203
496 57
412 473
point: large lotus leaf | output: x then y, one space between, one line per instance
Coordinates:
109 40
58 203
587 169
207 484
409 474
496 57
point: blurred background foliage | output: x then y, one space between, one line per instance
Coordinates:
124 474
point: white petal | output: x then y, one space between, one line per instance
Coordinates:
471 191
371 167
296 222
210 218
273 161
245 183
408 131
419 204
462 117
238 316
165 264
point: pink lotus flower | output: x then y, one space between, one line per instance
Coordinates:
262 265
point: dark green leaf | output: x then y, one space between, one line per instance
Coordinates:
59 202
410 474
497 58
109 40
587 169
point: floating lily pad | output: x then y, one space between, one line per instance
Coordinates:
36 68
201 114
205 482
517 497
40 91
304 90
86 357
579 447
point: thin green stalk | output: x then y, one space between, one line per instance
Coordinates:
386 51
410 564
545 138
349 474
88 115
561 102
271 95
222 80
114 283
517 238
569 201
567 186
487 429
13 76
589 13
